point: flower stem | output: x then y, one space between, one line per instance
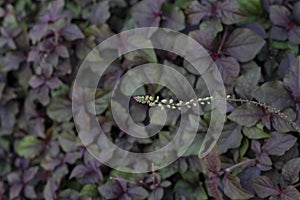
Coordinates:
244 163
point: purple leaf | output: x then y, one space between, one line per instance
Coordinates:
72 32
279 15
13 177
279 143
165 184
156 194
47 70
56 6
50 190
292 78
138 193
29 174
78 172
52 59
6 38
53 83
72 157
8 117
13 60
246 115
257 28
196 11
264 159
282 125
15 190
290 171
285 65
109 190
289 193
38 32
247 176
50 163
229 12
256 147
213 190
43 94
173 18
274 94
231 138
36 81
212 162
30 192
263 167
54 9
32 55
264 187
62 51
100 13
278 33
88 173
229 69
294 34
233 188
243 44
148 13
296 11
203 37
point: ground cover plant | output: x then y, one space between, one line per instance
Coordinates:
255 45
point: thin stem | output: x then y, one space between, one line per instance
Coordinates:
246 163
269 109
169 103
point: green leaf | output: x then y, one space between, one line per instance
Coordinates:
251 7
90 190
255 133
174 17
60 110
183 3
67 141
290 47
212 26
29 147
102 101
4 144
244 147
124 175
183 189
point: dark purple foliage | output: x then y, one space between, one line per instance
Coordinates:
255 45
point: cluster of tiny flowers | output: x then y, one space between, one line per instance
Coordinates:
170 103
